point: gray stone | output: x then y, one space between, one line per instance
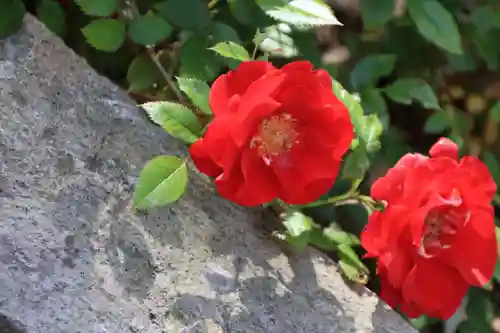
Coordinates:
75 258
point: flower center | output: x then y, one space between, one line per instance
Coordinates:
276 135
441 225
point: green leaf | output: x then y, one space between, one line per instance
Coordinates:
297 223
195 49
51 13
142 73
11 17
197 91
225 33
435 24
231 50
351 265
376 13
98 7
149 29
492 163
340 237
370 69
346 252
407 90
299 12
176 119
438 122
186 14
105 34
318 239
162 181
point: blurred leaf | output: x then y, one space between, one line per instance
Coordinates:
11 17
422 322
356 164
299 12
186 14
462 62
162 181
225 33
437 122
480 312
496 274
376 13
149 29
52 15
278 41
488 48
435 24
340 237
373 102
495 112
142 73
406 90
492 163
231 50
248 13
193 51
370 69
485 18
176 119
297 223
105 34
98 7
197 91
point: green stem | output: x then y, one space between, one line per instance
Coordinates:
338 200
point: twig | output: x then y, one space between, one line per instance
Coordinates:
166 76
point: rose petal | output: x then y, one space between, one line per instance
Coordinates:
435 288
476 182
444 147
474 251
202 159
236 83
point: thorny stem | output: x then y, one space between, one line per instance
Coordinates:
152 54
352 196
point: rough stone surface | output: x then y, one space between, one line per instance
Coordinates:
75 258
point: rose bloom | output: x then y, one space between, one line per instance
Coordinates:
276 133
436 236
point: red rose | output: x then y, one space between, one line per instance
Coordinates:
276 133
436 236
